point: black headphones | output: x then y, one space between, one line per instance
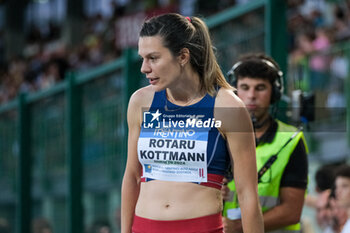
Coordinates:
277 84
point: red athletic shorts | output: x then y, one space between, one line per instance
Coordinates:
206 224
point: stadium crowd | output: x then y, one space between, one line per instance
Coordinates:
312 25
315 27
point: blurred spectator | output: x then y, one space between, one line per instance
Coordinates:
323 212
316 18
49 76
99 24
338 212
339 67
324 178
8 84
328 215
342 184
309 23
341 24
319 60
314 45
303 47
297 24
336 100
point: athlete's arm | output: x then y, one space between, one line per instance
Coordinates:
132 174
238 130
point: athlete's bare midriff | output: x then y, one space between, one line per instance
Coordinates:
165 200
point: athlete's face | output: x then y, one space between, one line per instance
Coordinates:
342 185
161 68
256 95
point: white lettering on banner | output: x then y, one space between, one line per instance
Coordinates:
173 147
170 155
209 123
176 133
180 144
173 159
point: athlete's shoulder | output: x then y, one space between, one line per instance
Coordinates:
228 107
139 100
226 98
142 97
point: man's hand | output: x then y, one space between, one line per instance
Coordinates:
232 226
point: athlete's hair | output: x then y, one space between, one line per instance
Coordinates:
178 32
